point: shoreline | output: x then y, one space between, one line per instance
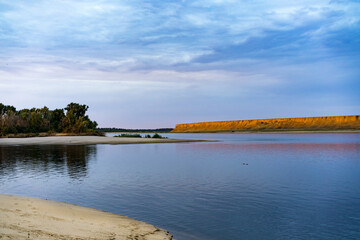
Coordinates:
280 131
86 140
33 218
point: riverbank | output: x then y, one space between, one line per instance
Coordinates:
83 140
329 123
49 134
31 218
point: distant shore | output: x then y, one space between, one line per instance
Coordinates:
30 218
82 140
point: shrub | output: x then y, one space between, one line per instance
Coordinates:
129 135
157 136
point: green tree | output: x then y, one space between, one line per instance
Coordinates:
56 117
76 121
37 120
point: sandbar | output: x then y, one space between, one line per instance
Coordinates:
79 140
31 218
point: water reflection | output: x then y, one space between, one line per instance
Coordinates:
49 160
286 186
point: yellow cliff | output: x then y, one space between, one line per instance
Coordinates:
307 123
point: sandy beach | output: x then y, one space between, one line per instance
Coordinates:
78 140
31 218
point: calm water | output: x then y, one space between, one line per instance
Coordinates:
247 186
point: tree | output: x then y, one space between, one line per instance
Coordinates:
37 120
76 121
5 109
56 117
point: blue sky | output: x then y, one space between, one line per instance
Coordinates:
148 64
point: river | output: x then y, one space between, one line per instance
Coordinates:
244 186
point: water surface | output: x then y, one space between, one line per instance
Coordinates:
246 186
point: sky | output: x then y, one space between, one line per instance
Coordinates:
152 64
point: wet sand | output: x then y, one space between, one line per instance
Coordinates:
79 140
30 218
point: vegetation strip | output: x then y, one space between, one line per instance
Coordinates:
126 135
116 130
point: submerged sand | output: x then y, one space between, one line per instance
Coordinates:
77 140
30 218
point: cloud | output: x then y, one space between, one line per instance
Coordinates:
242 57
170 29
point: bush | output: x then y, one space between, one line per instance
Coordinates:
157 136
139 136
129 135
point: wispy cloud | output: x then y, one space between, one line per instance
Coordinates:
221 51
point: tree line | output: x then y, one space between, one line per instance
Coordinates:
71 119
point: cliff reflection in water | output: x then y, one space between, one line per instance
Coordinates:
59 160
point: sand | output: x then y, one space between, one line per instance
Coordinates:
78 140
31 218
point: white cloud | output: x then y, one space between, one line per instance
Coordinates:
67 23
125 51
